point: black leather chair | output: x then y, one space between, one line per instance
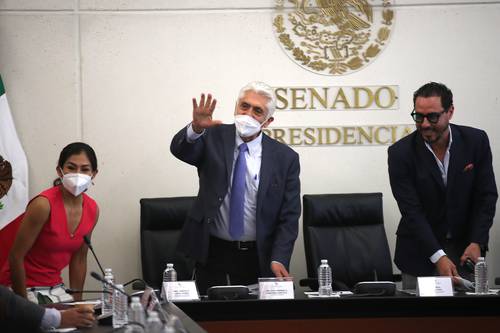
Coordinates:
161 225
348 230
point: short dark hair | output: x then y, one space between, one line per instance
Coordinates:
434 89
76 148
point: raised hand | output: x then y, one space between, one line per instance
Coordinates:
202 113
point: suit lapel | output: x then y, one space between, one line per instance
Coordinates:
266 170
229 141
428 161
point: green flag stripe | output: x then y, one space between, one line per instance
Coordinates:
2 89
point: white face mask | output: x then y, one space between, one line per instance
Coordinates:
76 183
246 126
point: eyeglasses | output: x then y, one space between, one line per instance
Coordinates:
432 117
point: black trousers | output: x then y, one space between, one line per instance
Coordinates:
228 263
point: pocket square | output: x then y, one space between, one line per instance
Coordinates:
469 167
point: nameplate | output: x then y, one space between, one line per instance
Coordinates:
276 288
180 291
434 286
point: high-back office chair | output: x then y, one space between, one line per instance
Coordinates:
161 225
348 230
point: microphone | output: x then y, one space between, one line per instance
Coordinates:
86 239
137 284
112 285
76 291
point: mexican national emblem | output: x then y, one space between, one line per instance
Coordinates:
5 176
333 37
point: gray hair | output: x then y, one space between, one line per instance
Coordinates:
262 89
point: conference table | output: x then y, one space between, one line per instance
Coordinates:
400 313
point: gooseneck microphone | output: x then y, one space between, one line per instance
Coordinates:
86 239
76 291
137 284
112 285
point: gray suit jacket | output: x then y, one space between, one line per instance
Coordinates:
17 314
278 197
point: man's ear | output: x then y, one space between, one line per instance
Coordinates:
267 122
451 110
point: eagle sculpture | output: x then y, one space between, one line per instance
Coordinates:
350 15
342 13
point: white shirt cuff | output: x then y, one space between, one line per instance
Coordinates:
191 134
51 319
277 263
437 255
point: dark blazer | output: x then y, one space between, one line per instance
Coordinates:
278 196
429 209
17 314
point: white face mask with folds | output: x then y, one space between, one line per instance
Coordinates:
246 126
76 183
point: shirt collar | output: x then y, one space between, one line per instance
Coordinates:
254 146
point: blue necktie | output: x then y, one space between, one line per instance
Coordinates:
236 204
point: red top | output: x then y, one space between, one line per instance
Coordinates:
54 246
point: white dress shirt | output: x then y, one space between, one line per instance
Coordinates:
443 168
253 156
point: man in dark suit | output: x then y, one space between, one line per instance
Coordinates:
244 222
442 178
17 314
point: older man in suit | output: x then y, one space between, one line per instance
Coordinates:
17 314
244 222
442 178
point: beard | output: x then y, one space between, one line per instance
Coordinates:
432 135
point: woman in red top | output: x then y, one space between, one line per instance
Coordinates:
50 235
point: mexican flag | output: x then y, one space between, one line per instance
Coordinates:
13 167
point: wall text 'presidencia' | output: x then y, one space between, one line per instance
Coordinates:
340 136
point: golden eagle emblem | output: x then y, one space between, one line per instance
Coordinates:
333 37
5 176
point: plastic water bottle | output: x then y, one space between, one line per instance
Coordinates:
120 317
136 312
153 323
173 325
169 275
169 329
107 292
324 279
481 276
